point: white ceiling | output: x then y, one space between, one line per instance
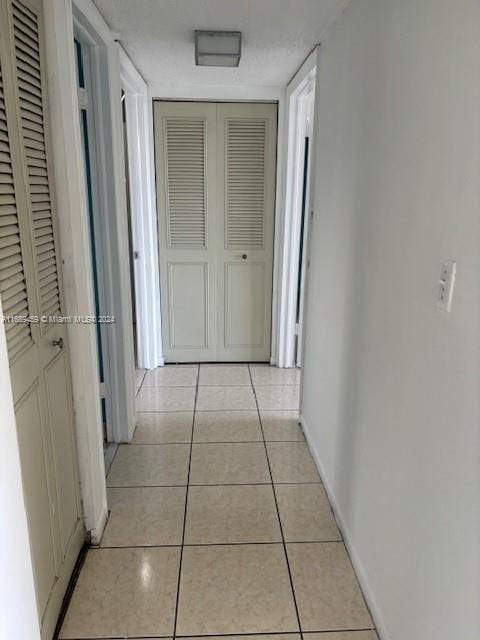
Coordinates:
277 35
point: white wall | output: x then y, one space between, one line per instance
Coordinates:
391 384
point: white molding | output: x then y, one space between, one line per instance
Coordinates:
347 538
93 22
96 532
75 250
239 93
104 52
214 92
299 108
144 216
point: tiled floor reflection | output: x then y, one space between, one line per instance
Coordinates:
219 523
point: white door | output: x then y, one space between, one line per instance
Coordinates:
30 285
215 167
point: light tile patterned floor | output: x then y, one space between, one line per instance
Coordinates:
219 523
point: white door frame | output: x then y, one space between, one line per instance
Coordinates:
105 79
72 215
143 215
300 94
234 93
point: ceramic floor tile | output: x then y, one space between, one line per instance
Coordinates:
227 426
235 589
291 462
171 376
278 398
226 399
264 375
276 636
163 427
124 593
239 463
218 375
281 425
149 465
165 399
328 595
145 516
305 513
231 514
342 635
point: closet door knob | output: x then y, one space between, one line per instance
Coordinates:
244 256
58 343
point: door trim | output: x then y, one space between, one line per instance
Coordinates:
232 93
143 215
107 115
299 121
159 158
228 94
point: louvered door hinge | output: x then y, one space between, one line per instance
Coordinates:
297 328
102 390
82 98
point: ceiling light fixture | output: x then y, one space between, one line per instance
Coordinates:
218 48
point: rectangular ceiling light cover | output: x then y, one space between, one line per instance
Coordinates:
218 48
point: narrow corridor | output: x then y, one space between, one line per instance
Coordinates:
219 524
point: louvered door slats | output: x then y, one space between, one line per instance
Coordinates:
245 183
27 56
185 182
13 288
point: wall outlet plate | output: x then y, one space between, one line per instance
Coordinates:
446 285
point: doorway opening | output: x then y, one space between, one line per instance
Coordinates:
297 217
215 168
95 222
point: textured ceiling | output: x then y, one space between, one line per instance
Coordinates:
277 35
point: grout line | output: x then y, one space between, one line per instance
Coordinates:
159 444
217 484
168 444
238 635
141 383
213 544
185 510
278 512
275 633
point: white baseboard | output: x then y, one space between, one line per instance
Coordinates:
354 557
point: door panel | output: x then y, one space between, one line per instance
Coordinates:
33 445
30 285
244 305
215 166
188 303
247 140
185 144
57 379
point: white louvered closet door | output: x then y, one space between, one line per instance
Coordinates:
185 135
30 285
247 143
215 166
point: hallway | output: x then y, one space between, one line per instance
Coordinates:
219 524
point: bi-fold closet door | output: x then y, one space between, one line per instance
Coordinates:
215 170
30 285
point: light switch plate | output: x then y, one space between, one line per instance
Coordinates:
446 285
